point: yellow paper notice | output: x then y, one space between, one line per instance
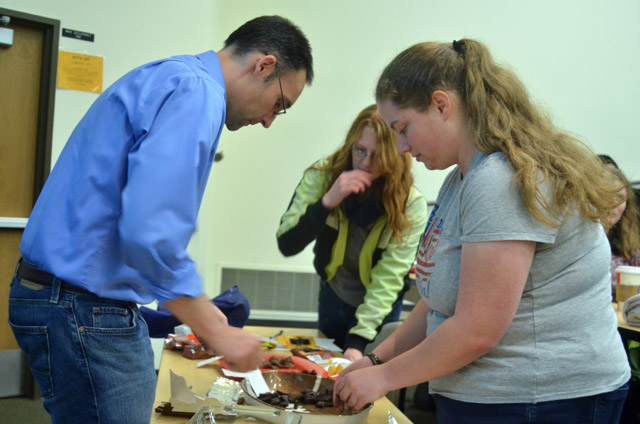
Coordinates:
78 71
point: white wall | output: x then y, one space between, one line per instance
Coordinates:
578 58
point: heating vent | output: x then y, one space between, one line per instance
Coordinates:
282 295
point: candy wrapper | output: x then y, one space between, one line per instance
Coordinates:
183 336
178 342
225 390
314 354
291 342
196 352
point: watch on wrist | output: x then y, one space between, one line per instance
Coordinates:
374 358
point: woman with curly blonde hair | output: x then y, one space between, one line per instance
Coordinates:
515 324
623 229
360 206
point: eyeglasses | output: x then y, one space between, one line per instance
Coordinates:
362 154
284 108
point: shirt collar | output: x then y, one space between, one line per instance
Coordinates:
211 61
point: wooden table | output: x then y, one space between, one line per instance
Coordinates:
201 379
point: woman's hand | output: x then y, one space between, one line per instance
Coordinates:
352 354
348 182
358 387
355 366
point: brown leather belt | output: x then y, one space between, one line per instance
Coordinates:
43 278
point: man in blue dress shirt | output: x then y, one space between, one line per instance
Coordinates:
111 226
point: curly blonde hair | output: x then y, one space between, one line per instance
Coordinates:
503 119
395 168
624 235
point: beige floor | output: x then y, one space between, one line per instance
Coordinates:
21 410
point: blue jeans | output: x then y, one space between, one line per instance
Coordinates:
604 408
337 317
91 356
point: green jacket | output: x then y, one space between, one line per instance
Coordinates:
383 261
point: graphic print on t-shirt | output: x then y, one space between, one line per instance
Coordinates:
428 246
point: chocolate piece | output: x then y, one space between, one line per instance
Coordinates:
195 352
299 341
276 362
323 399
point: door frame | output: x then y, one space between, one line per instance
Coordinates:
44 137
51 29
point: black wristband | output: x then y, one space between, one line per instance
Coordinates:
374 358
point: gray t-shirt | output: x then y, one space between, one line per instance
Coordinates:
563 341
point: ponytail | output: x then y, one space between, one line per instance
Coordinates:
502 118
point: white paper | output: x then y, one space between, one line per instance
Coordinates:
328 344
236 374
180 390
256 380
315 358
208 361
316 385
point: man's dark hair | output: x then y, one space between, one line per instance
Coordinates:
277 36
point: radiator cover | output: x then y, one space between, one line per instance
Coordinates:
282 295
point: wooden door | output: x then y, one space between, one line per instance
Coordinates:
27 87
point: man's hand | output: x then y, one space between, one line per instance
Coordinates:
241 350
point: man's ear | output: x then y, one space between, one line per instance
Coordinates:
265 65
441 101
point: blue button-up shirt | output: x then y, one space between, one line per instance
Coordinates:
117 212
